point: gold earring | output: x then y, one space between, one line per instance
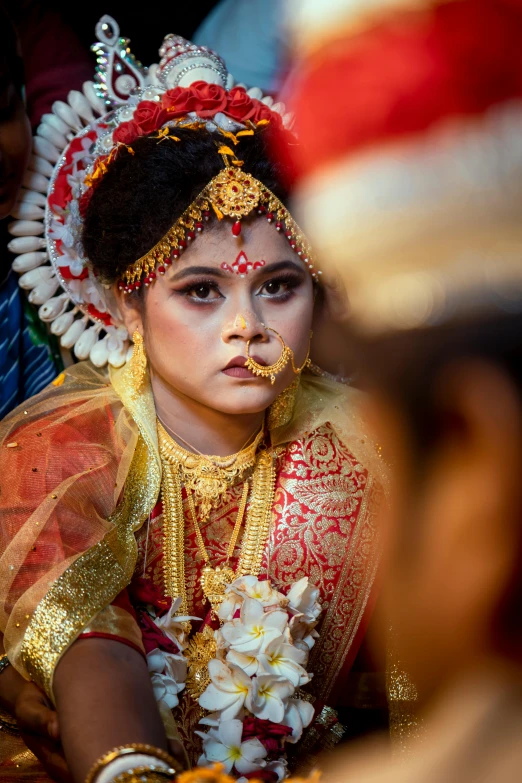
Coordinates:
306 363
270 370
282 408
137 363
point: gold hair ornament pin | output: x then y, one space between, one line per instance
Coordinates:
232 193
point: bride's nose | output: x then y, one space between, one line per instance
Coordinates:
244 326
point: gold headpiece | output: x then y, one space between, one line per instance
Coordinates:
232 193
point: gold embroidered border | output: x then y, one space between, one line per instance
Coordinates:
96 577
92 581
338 629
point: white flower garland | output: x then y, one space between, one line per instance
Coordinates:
262 652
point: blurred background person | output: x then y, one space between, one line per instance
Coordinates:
249 34
252 39
34 73
28 359
412 189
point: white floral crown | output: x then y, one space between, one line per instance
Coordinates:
67 148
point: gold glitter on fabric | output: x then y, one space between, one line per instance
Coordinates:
405 724
17 763
71 602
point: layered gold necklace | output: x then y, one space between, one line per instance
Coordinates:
206 479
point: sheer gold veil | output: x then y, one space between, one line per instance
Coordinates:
79 474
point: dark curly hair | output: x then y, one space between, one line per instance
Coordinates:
142 194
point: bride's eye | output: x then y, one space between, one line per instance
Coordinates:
202 291
274 287
280 289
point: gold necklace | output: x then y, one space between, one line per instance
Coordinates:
214 579
202 647
177 437
208 477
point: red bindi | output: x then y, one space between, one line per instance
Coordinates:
242 266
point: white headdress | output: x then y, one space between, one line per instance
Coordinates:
81 310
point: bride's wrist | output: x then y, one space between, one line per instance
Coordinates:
148 773
121 765
11 683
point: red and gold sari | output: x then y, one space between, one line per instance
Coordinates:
82 516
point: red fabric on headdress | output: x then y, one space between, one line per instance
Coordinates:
404 75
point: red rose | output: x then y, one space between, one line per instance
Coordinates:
209 98
268 733
144 591
178 101
150 116
239 104
261 111
127 132
153 637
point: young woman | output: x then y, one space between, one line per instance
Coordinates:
189 540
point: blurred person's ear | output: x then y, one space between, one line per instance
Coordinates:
476 473
452 535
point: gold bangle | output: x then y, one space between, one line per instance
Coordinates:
129 750
150 774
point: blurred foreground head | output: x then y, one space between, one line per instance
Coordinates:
411 187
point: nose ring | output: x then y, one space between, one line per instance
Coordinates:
271 370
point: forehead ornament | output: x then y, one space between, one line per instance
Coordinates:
242 266
233 194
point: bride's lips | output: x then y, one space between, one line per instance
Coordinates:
236 367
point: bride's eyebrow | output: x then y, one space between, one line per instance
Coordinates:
279 266
197 270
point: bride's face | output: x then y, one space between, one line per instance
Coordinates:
197 318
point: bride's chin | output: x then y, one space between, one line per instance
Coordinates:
244 401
